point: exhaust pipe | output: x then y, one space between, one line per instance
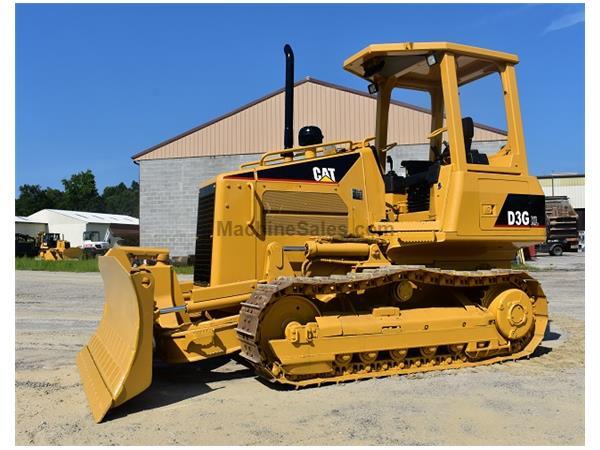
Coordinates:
288 134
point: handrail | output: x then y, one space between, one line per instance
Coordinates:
319 148
248 164
364 142
303 150
250 222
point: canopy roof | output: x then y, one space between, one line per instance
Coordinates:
408 62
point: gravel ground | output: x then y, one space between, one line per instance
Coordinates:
534 401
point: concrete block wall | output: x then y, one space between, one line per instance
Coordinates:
169 192
169 198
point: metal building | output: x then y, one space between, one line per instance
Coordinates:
72 224
170 172
24 225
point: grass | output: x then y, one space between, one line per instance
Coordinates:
91 265
73 265
187 270
525 267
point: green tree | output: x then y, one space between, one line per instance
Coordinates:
33 198
134 190
54 198
121 199
81 193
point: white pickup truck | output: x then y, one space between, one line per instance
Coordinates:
92 245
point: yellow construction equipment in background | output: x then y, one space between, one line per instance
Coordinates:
53 247
321 266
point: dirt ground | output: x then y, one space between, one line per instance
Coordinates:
535 401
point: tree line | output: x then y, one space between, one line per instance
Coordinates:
80 193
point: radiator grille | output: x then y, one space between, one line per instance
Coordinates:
204 234
291 213
303 203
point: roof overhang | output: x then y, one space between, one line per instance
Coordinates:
19 219
561 175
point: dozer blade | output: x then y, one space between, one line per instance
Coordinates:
72 253
116 364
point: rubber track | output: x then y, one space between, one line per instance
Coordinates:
252 311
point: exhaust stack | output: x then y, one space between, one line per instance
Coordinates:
288 134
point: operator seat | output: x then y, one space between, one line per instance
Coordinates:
422 174
473 156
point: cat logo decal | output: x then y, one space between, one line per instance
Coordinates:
324 174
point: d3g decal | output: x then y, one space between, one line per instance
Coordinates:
518 218
522 210
324 174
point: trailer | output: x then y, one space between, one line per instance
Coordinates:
561 227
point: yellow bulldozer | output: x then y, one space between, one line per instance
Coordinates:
321 266
54 247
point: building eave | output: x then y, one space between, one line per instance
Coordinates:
561 175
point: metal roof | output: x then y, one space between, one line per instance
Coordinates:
562 175
94 217
257 131
25 219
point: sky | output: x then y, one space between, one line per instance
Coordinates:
96 84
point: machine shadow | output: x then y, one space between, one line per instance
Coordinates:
540 351
174 383
550 335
